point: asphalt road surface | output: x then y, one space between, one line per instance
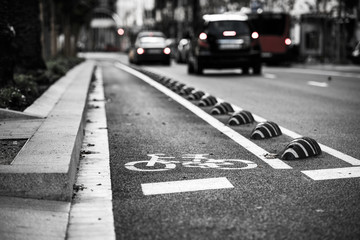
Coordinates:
176 173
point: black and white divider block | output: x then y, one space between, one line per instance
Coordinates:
186 91
266 130
167 81
196 95
299 148
222 108
177 87
171 84
240 118
207 101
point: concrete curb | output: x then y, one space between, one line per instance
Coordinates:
45 167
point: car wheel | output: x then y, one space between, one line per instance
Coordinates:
178 58
198 68
190 68
245 70
257 69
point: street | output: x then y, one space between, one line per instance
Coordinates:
176 173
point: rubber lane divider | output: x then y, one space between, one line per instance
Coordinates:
342 156
238 138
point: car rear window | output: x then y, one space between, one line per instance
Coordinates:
218 27
152 40
273 24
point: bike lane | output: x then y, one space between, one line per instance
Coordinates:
194 194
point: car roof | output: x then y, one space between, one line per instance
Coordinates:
224 17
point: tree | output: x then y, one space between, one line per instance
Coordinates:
25 17
72 15
7 57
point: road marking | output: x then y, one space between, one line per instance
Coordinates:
185 186
333 173
318 84
321 72
269 75
238 138
91 215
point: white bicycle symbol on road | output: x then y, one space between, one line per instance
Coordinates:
158 162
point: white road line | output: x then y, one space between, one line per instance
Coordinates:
269 75
318 84
321 72
91 215
333 173
185 186
238 138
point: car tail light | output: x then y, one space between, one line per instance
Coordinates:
140 51
255 35
287 41
167 51
202 40
229 33
203 36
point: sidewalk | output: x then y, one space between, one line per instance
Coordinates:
37 187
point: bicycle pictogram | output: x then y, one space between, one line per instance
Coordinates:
158 162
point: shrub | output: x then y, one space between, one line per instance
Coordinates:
28 87
11 97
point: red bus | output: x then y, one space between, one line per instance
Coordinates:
274 35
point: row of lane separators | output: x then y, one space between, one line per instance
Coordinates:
238 138
344 157
319 174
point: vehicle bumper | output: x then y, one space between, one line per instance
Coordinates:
153 57
219 60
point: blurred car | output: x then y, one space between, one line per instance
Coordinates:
225 41
355 54
150 46
182 51
171 43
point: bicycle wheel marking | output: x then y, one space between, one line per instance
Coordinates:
158 162
167 166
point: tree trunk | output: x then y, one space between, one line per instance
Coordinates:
67 35
7 58
28 33
53 34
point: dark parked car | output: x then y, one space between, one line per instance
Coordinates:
225 41
150 47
